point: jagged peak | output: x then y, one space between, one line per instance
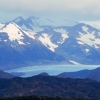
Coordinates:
11 24
15 32
32 20
20 18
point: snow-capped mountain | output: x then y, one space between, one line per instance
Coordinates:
51 37
30 23
78 51
85 33
77 42
18 48
25 24
15 33
80 41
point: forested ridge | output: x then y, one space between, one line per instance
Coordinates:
42 98
49 86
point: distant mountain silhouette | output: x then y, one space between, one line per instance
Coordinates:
44 74
80 74
94 76
62 75
5 75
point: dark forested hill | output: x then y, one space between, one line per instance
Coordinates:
41 98
49 86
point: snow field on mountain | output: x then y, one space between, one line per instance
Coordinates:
15 33
45 39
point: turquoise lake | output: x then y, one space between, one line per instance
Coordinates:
51 69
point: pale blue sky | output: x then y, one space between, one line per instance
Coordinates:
84 10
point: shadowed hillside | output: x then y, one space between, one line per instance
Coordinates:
49 86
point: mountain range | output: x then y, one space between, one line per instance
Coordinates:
93 74
69 41
34 41
19 48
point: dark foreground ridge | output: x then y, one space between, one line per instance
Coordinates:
49 86
41 98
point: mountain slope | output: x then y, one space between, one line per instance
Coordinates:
94 76
19 48
50 38
5 75
85 33
80 41
78 51
82 73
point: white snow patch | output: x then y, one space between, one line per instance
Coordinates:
20 42
13 32
88 38
79 42
85 29
28 34
58 42
87 50
96 46
45 39
64 34
64 37
60 30
74 62
97 41
5 40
